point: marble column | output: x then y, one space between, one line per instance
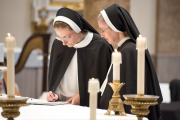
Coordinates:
92 9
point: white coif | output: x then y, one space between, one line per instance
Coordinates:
106 18
123 41
71 23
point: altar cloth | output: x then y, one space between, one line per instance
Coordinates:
64 112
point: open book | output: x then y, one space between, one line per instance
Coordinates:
44 102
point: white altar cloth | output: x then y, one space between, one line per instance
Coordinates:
64 112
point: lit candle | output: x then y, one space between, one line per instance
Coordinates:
93 89
116 61
10 45
141 46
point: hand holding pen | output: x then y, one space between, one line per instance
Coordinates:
51 97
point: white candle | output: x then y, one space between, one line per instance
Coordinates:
141 46
1 52
116 60
10 45
93 89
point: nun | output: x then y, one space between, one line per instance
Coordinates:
78 54
117 27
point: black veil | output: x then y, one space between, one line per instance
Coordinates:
74 20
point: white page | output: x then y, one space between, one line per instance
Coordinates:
44 102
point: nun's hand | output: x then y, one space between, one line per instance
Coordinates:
50 97
75 100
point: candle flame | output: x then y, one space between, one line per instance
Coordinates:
92 78
140 35
115 50
9 34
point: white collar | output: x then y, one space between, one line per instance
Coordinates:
84 42
123 40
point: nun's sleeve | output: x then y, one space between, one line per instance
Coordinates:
51 64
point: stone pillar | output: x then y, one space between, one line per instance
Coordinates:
168 40
168 37
92 9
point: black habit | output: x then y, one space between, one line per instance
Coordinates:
175 90
122 21
93 60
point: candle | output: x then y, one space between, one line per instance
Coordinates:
10 45
1 52
141 46
93 89
116 61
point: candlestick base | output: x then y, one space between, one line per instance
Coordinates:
10 97
116 104
11 106
140 104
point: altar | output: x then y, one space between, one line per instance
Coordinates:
65 112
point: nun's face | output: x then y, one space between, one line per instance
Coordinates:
67 36
106 32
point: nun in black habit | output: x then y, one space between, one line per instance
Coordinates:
78 54
117 27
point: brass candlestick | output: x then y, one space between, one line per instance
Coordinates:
116 104
140 104
11 106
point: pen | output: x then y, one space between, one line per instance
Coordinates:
53 94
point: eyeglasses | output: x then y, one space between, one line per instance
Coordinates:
102 31
65 38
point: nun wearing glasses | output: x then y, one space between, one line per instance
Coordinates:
117 27
78 54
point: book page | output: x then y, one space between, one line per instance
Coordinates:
44 102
